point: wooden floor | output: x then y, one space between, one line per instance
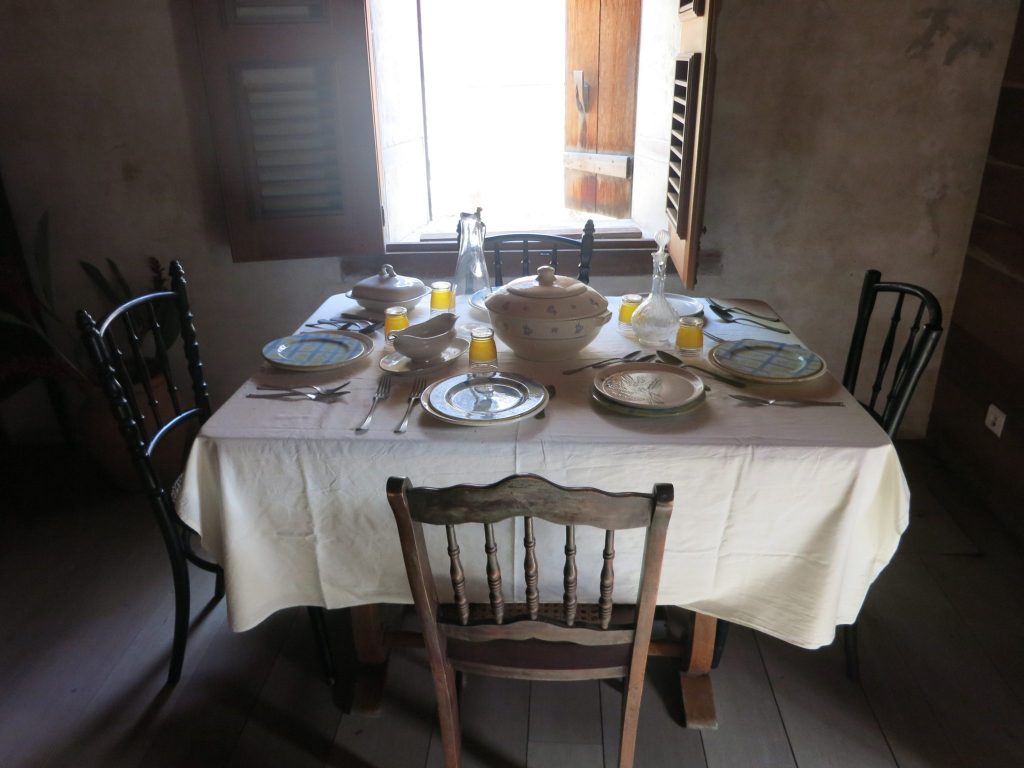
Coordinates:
86 604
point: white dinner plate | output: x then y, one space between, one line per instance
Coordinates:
319 351
649 413
767 361
651 386
482 400
400 365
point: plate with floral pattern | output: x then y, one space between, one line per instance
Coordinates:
650 386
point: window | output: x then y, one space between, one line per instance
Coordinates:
317 108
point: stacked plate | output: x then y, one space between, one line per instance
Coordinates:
320 351
768 362
483 399
648 389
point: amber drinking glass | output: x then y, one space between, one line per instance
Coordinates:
441 297
690 336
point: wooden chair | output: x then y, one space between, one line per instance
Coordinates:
920 340
132 351
533 640
527 244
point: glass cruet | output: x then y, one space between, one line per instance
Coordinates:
471 268
654 321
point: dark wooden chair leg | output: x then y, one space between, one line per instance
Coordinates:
318 620
218 585
182 600
852 654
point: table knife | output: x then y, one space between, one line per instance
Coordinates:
719 305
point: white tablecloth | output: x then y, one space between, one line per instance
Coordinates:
783 516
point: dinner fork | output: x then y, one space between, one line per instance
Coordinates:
777 401
383 390
418 385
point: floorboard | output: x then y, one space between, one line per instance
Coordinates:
87 607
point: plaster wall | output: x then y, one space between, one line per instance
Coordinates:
845 136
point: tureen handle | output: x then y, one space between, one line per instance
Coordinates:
546 275
386 272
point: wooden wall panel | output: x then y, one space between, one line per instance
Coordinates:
983 361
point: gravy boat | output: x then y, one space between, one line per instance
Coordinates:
427 340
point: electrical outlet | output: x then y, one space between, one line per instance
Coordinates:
994 420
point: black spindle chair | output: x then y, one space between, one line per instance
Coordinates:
523 245
893 384
134 352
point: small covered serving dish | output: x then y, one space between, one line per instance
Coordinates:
388 289
547 316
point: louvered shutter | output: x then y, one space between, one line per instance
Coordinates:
288 87
689 137
681 143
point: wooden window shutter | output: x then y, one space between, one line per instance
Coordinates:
681 142
689 137
288 89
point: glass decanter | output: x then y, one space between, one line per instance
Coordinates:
471 268
654 321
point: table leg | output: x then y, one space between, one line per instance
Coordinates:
372 656
695 680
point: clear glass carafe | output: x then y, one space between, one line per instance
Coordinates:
654 321
471 268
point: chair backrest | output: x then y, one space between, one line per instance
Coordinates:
523 245
133 351
920 340
529 497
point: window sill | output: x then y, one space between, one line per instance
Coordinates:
625 253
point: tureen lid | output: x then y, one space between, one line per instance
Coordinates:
548 295
388 286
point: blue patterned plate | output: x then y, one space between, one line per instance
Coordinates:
768 361
321 351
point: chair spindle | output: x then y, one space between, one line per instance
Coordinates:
493 574
163 360
607 579
458 576
530 568
526 258
883 360
569 580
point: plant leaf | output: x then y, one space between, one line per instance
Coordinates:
101 283
41 254
9 319
126 290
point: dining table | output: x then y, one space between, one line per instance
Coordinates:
783 517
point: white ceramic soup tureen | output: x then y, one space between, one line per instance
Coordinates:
388 289
547 316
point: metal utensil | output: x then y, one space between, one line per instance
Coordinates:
668 357
741 310
383 390
329 391
294 395
601 363
726 317
418 385
779 401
